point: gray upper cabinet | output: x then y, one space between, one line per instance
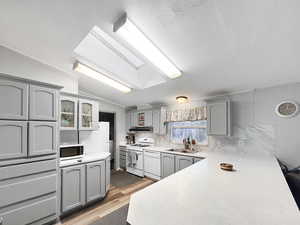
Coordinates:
13 139
95 180
219 118
73 187
43 103
88 114
183 162
107 174
156 121
167 164
128 121
68 113
13 100
42 138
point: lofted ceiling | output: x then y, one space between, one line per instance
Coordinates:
221 46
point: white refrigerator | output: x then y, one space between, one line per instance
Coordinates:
95 141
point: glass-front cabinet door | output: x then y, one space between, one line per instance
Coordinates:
68 113
87 114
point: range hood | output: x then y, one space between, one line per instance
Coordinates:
141 129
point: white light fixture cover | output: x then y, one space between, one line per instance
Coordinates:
135 37
79 67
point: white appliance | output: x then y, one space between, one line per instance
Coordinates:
97 140
135 156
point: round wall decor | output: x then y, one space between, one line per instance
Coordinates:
287 109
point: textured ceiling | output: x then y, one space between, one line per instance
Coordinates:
221 46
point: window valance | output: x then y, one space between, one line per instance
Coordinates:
197 113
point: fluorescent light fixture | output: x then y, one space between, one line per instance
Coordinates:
135 37
79 67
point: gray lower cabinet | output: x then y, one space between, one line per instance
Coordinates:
28 193
183 162
13 100
43 103
167 164
73 187
122 157
107 174
42 138
95 180
13 139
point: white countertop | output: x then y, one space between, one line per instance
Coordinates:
84 159
255 194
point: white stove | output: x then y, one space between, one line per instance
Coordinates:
135 156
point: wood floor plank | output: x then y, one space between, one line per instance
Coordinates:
116 198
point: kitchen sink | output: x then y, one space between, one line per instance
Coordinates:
182 150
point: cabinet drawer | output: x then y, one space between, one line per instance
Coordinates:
30 188
13 139
20 170
43 103
30 213
42 138
13 100
153 154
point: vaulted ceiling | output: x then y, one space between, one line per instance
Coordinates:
221 46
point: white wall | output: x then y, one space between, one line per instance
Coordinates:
257 109
13 63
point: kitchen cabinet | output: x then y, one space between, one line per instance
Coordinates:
43 103
95 180
73 187
122 157
218 116
167 164
107 174
182 162
156 121
128 121
68 113
13 139
88 114
152 164
42 138
13 100
133 119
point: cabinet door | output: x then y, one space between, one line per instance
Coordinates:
183 162
42 138
68 114
156 121
72 187
148 119
95 180
163 118
13 139
13 100
43 103
107 174
219 118
128 121
88 114
134 119
152 163
167 164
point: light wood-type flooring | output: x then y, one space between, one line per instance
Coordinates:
116 198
